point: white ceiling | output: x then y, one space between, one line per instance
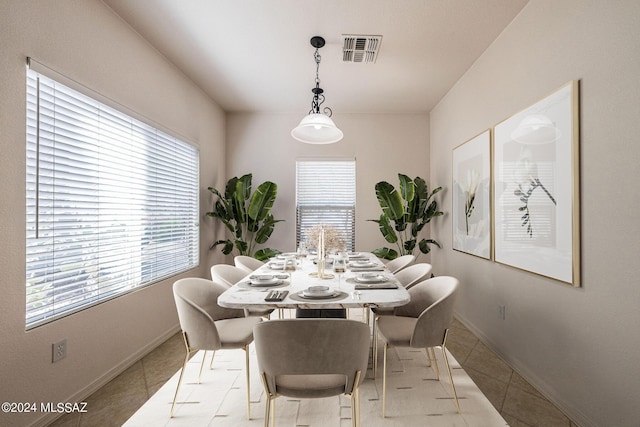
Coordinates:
255 55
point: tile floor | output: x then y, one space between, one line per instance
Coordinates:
516 401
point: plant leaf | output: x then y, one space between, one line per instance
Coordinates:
389 200
424 245
407 187
385 253
262 200
265 254
386 229
409 245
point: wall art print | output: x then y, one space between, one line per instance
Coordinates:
536 188
471 211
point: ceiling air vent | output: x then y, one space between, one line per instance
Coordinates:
359 48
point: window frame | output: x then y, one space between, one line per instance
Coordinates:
154 167
328 180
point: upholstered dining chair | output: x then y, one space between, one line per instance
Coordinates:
312 358
395 265
247 263
413 274
407 277
207 326
422 323
229 275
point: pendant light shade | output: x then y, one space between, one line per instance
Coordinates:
536 129
317 127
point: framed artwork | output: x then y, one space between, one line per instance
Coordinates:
471 196
536 188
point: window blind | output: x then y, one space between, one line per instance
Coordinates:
326 194
111 202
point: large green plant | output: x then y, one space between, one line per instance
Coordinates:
247 216
404 215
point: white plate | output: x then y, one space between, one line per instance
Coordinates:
276 265
370 278
263 279
362 264
328 293
286 254
356 255
275 281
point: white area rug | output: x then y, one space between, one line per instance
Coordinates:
414 397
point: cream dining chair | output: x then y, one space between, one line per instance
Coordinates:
407 277
229 275
395 265
247 263
312 358
207 326
422 323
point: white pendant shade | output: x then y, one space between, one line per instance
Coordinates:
536 129
317 129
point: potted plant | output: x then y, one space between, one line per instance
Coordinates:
247 216
404 215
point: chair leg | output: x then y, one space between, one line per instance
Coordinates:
375 346
213 355
446 362
435 362
267 412
268 403
184 367
355 401
384 381
246 353
204 356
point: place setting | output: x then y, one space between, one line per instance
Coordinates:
365 265
318 293
265 281
370 280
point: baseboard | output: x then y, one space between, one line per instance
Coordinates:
87 391
575 415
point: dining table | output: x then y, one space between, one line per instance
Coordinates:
291 282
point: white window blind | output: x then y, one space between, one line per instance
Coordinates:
112 203
326 194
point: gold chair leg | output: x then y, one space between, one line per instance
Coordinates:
384 381
213 355
267 408
354 418
428 356
435 362
446 362
355 401
184 367
246 353
375 346
204 356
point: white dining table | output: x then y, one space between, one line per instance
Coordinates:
348 291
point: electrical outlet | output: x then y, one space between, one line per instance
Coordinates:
59 350
502 312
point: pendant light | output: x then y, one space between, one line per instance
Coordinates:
317 127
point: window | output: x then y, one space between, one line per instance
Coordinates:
112 203
326 194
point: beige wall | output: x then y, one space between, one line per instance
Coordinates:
382 144
579 346
85 41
